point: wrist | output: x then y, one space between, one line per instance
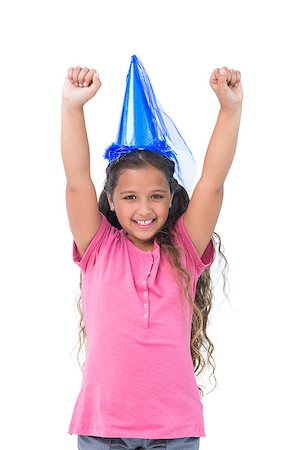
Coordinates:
235 108
70 106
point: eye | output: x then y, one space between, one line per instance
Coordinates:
129 197
158 196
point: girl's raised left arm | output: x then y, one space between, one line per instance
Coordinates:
204 208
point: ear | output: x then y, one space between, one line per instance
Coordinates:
170 204
109 199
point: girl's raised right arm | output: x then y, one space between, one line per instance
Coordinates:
80 86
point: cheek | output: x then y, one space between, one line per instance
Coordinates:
163 208
125 209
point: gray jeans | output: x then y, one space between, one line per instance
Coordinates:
103 443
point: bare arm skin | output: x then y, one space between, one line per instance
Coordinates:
81 197
205 205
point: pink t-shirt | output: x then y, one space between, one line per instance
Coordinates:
138 379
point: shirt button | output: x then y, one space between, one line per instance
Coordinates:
144 281
145 315
145 293
146 305
147 272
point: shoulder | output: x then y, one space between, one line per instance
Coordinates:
104 237
188 249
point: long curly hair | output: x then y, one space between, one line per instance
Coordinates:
202 303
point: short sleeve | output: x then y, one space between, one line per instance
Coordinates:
99 237
183 237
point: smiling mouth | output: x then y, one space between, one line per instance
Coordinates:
144 223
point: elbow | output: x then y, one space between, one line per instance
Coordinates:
213 187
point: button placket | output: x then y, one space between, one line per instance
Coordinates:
146 315
146 296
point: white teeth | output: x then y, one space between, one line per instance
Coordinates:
143 222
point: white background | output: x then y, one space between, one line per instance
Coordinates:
256 336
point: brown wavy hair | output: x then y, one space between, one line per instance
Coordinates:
202 304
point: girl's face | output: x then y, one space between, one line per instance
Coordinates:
141 195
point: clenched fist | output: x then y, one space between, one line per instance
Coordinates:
81 84
227 86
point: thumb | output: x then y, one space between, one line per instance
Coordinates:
96 78
222 75
96 83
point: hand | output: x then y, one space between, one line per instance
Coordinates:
81 85
227 87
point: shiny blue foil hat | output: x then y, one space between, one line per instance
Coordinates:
145 126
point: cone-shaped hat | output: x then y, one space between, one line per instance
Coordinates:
145 126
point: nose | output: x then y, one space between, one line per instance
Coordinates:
144 208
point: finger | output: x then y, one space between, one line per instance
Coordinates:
228 74
88 77
215 76
76 72
96 80
224 76
233 78
238 77
70 74
81 75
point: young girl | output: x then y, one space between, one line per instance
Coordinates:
144 251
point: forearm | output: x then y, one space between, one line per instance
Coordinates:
221 148
74 145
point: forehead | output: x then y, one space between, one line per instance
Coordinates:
142 178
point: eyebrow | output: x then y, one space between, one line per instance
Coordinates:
135 192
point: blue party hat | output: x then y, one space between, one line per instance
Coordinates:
145 126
